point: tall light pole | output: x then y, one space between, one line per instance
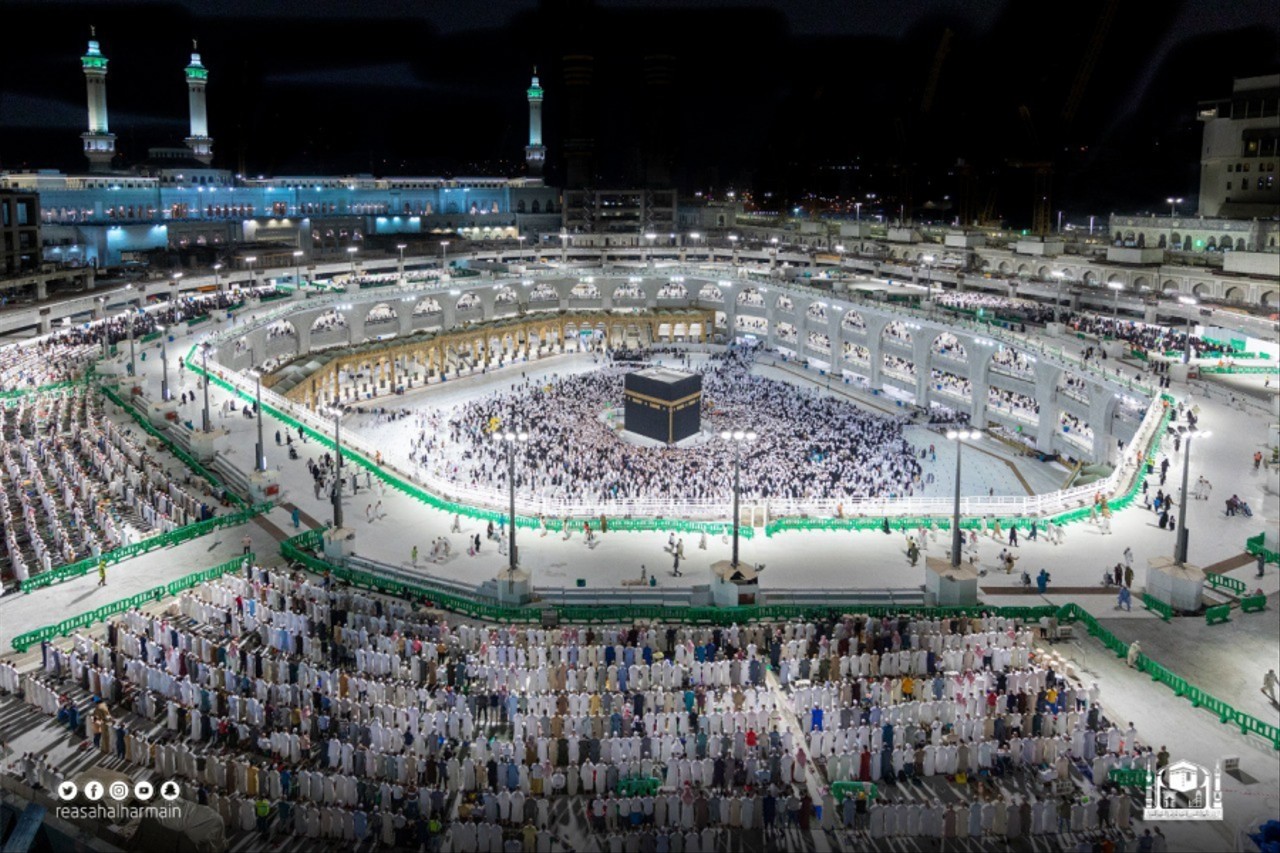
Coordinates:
260 454
738 437
564 246
444 256
102 312
1186 349
733 242
648 258
840 257
695 237
511 440
1173 212
1180 543
400 247
164 364
1115 288
1060 276
957 538
217 277
351 255
774 241
129 314
297 268
927 260
335 412
204 363
521 238
250 261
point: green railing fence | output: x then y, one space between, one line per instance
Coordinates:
24 641
1254 545
164 540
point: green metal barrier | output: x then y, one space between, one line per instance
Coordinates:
843 790
1254 545
1231 585
1217 615
164 540
1136 777
24 641
1253 604
1164 611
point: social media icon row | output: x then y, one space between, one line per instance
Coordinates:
118 790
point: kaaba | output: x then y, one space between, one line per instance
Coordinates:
663 404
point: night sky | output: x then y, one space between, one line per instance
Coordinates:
824 97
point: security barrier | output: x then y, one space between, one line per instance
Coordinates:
1164 611
164 540
1217 615
1231 585
24 641
1254 545
1253 604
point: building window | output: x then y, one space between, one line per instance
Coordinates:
1228 186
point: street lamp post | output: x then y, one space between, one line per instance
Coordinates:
102 312
1180 543
648 258
129 315
351 254
1186 349
695 237
336 494
260 452
1115 288
957 538
164 363
927 260
511 439
1173 212
444 255
1060 276
521 238
738 437
297 268
733 242
250 260
774 241
204 363
217 277
400 247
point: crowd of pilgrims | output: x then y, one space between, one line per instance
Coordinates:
809 447
65 354
77 484
291 706
1145 336
1008 307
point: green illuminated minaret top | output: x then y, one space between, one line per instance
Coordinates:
196 71
535 89
93 60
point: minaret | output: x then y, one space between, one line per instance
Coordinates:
535 153
200 143
99 143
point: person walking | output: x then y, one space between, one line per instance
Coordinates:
1262 563
102 572
1128 556
1042 581
1128 577
246 543
297 518
457 524
1125 600
1269 682
413 556
1013 535
675 567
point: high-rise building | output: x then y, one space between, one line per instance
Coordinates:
1240 151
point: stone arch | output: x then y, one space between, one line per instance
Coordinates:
1202 288
855 352
1142 239
949 346
817 311
328 320
1239 244
751 296
1023 269
896 330
585 290
1115 278
381 314
280 328
673 290
467 302
630 290
1003 267
543 292
1226 243
426 305
711 293
1043 273
853 320
1212 245
1141 283
1090 278
505 294
784 303
1235 293
1267 298
1169 286
1176 240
